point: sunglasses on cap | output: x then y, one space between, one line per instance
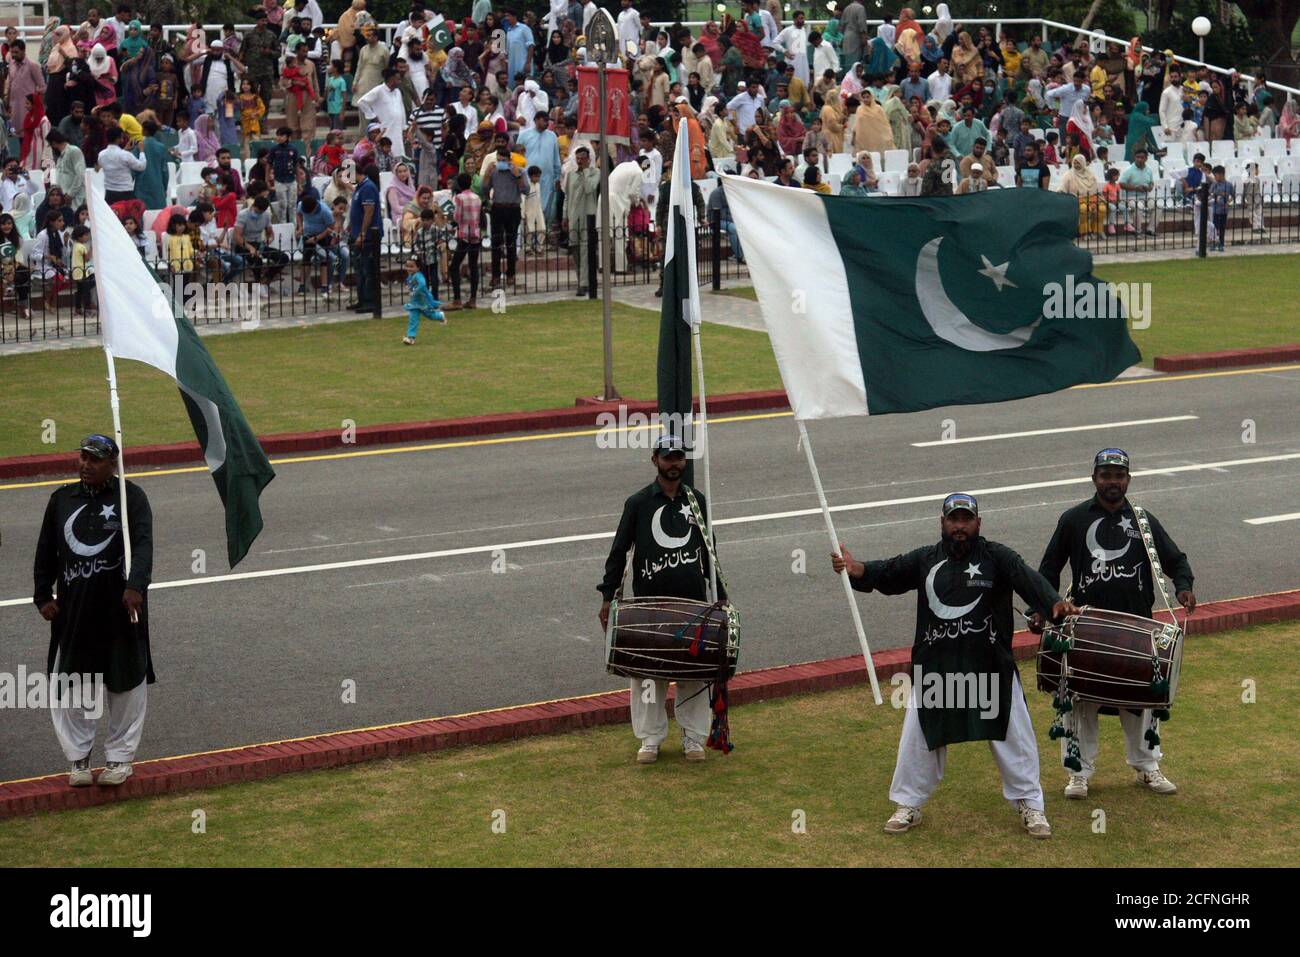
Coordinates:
100 446
960 500
1113 457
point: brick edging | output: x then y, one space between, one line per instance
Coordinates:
585 414
1227 358
214 768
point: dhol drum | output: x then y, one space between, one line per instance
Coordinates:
1112 658
672 639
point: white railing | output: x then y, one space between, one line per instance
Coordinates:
179 30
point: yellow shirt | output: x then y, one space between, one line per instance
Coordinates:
180 253
81 267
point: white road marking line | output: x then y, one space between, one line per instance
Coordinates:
1270 519
1072 428
738 520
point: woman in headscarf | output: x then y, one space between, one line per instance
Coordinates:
94 140
400 192
456 75
48 39
133 41
751 49
722 135
1080 182
138 80
204 130
733 66
1010 57
35 127
1140 122
104 70
871 129
881 58
866 171
25 217
531 102
495 59
967 68
340 185
943 28
1288 124
477 145
852 84
790 130
832 116
1216 116
106 37
900 121
345 32
761 143
709 38
1080 124
55 198
852 184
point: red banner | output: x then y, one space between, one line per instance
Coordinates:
618 113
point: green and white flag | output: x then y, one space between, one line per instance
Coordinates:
679 310
439 33
879 305
139 323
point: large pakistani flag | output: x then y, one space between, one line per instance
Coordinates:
680 308
881 305
439 33
139 323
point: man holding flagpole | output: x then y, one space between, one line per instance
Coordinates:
97 610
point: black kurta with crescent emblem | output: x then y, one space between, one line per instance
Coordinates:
669 555
79 555
1108 560
963 625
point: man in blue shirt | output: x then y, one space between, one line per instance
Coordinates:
915 85
519 47
315 227
364 230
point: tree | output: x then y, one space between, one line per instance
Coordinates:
1272 24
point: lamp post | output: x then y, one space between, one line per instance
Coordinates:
602 45
1201 27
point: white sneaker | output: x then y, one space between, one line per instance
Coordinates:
693 749
648 754
904 818
80 776
1077 788
1035 821
1156 782
114 773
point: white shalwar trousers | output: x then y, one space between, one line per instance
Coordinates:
125 712
919 770
1085 723
650 717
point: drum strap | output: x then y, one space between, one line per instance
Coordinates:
719 701
1157 573
705 531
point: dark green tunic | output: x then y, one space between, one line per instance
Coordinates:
963 625
670 556
80 554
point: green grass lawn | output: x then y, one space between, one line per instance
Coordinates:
579 799
1203 305
530 357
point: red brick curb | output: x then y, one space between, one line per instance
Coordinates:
249 763
1228 358
585 414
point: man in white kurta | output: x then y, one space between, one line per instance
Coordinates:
383 105
824 57
629 29
624 190
793 41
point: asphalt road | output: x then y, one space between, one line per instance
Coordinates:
397 591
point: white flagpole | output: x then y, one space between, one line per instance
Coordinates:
835 548
121 466
704 442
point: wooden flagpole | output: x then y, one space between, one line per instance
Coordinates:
835 548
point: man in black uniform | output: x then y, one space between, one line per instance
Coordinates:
670 559
1101 541
80 552
965 683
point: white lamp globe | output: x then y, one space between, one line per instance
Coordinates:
1201 26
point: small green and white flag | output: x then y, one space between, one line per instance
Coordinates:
139 323
878 305
439 33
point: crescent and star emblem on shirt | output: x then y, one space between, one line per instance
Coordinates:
947 320
946 612
972 570
79 547
661 536
1099 553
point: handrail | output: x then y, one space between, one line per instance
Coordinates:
180 29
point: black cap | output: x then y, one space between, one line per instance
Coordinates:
1112 457
669 443
100 446
960 500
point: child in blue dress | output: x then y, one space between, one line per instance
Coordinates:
421 304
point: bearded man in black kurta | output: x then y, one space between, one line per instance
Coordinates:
1103 545
80 554
965 684
670 558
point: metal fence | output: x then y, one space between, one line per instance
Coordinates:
298 281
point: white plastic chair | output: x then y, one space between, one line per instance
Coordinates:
191 171
150 215
834 181
187 193
1223 149
890 181
840 163
896 161
1007 176
1274 147
1176 153
1250 149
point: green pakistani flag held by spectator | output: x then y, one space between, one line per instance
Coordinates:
679 311
878 305
439 33
139 323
